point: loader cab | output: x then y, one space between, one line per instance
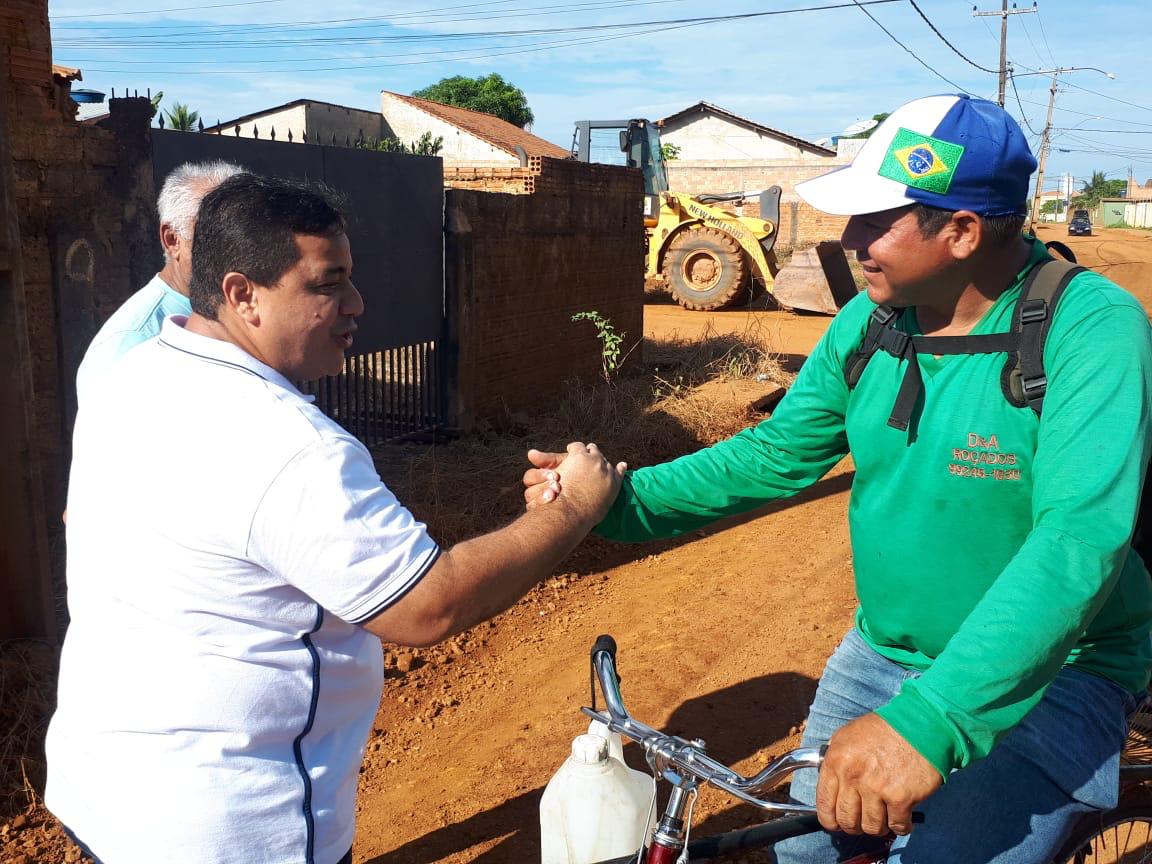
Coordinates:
640 143
638 146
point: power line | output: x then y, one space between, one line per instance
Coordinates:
909 50
1035 50
1040 21
174 9
955 50
436 15
1023 115
1109 131
1106 96
1067 83
1090 114
247 44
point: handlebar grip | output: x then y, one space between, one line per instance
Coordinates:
605 643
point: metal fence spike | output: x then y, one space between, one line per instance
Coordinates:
304 136
200 125
255 131
289 136
347 141
161 121
273 133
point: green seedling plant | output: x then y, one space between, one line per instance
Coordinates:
611 342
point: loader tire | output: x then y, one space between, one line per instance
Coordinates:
705 269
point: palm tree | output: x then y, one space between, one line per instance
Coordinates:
1098 187
182 118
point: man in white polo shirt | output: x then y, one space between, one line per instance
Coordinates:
222 668
138 319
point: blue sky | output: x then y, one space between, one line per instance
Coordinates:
808 73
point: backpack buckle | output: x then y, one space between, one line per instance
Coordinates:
883 314
1033 311
1033 388
895 342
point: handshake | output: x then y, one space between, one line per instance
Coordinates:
587 480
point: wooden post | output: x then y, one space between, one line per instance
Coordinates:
26 597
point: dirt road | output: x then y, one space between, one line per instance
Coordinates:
722 636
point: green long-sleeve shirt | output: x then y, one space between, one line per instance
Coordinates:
990 547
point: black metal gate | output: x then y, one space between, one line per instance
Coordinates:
395 387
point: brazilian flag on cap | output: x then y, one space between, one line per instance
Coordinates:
921 161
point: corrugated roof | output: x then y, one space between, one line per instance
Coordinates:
703 107
68 73
499 133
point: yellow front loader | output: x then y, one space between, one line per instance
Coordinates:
707 255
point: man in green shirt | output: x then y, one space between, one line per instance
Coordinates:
1003 626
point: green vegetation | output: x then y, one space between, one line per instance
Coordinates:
490 94
1097 188
669 152
180 117
425 145
611 342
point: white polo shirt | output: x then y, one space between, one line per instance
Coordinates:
225 539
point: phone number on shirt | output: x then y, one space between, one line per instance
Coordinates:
984 473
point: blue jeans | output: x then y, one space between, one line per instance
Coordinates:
1013 807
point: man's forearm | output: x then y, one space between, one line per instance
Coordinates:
495 570
480 578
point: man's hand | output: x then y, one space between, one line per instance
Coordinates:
871 779
542 483
589 481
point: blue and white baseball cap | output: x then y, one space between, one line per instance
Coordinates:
951 152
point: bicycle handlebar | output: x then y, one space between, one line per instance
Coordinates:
665 752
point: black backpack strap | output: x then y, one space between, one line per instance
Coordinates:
882 318
1024 381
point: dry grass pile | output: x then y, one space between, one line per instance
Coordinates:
27 698
663 407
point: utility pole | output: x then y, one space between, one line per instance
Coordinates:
1045 142
1003 13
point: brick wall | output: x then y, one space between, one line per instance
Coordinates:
696 177
527 248
801 226
82 195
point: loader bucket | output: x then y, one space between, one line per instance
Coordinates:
816 280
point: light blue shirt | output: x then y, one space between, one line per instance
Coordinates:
138 320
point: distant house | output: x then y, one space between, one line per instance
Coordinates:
469 137
708 133
305 120
718 151
1136 192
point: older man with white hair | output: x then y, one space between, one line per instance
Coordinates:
141 315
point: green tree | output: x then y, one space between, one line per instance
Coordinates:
1097 188
669 152
490 94
181 117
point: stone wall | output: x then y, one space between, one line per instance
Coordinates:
526 249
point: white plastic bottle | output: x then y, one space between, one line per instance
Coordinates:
595 807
